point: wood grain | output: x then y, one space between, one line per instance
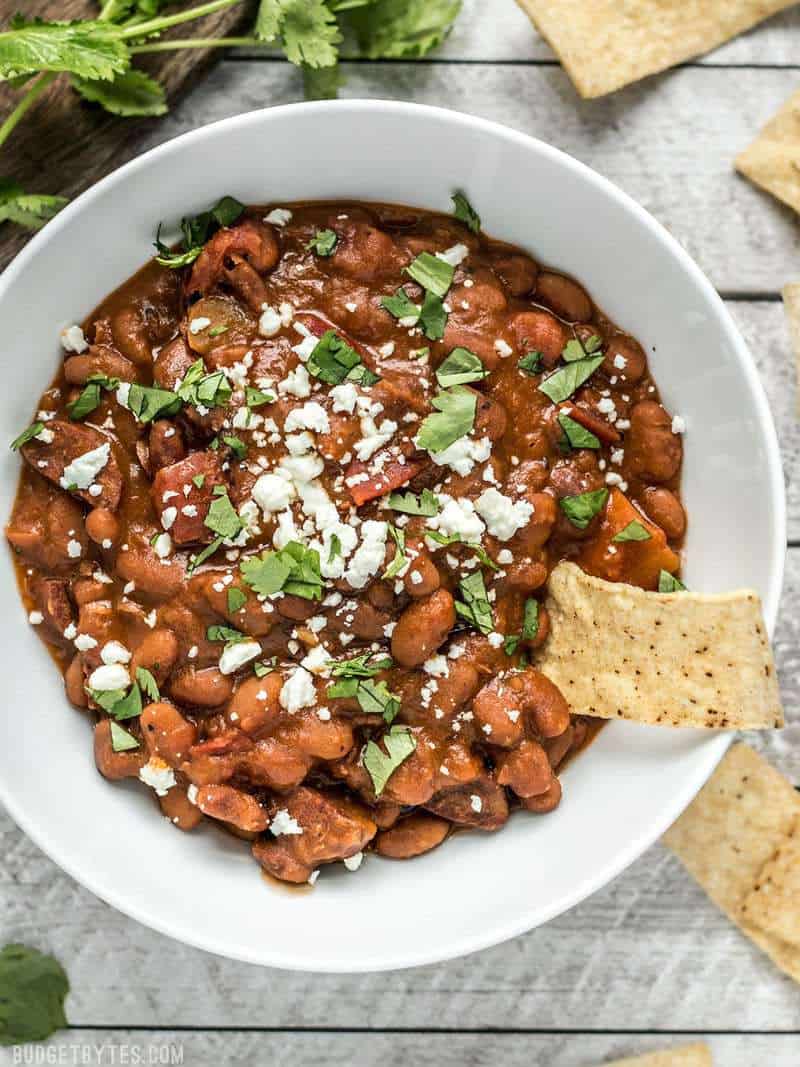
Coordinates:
288 1049
65 144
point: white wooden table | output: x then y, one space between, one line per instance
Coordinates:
648 962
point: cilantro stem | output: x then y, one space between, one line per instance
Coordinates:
197 42
144 29
27 102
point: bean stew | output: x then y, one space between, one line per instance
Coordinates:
289 509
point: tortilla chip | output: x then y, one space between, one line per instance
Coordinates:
670 659
729 839
686 1056
773 159
605 44
791 304
773 904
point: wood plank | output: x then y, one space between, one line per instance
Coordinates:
65 144
647 949
742 238
287 1049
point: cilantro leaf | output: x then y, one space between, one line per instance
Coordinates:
309 32
401 306
236 599
225 633
294 569
433 274
201 557
148 402
475 607
453 419
454 539
236 445
634 531
32 991
577 436
88 48
131 93
147 683
581 509
400 558
90 396
563 383
255 398
363 666
332 359
222 518
399 743
30 210
403 28
531 363
196 230
130 706
427 503
668 583
433 317
323 242
121 740
530 627
268 20
464 212
321 83
26 435
460 367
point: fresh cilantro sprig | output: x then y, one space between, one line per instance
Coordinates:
399 743
33 988
97 55
294 569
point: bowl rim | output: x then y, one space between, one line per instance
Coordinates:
500 931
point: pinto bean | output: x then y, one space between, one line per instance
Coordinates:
40 526
544 802
176 806
166 444
232 806
151 575
229 323
102 525
157 652
546 710
255 706
625 350
652 452
526 576
422 578
364 252
536 532
52 598
86 590
569 300
132 336
542 332
296 608
499 711
666 511
414 780
457 688
517 272
274 764
166 732
558 747
172 363
525 769
481 804
98 360
114 765
206 687
412 837
74 683
490 417
422 628
310 735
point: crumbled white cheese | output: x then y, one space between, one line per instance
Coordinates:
279 216
495 639
283 823
620 362
455 255
436 666
71 631
297 691
198 324
457 518
72 339
158 775
463 454
502 348
310 416
168 517
296 383
83 470
373 437
236 655
368 557
74 549
270 321
678 424
85 642
316 660
114 652
109 676
352 863
475 802
344 397
502 515
162 546
35 618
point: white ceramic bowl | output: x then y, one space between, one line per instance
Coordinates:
204 888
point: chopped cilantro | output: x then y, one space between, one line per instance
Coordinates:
464 212
668 583
433 274
433 317
147 683
294 569
91 395
460 367
400 558
333 360
399 743
577 436
222 518
196 230
27 435
531 363
255 398
225 633
562 383
581 509
198 481
453 419
634 531
453 539
335 548
323 242
475 607
147 402
236 445
402 307
236 599
427 503
32 991
121 740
